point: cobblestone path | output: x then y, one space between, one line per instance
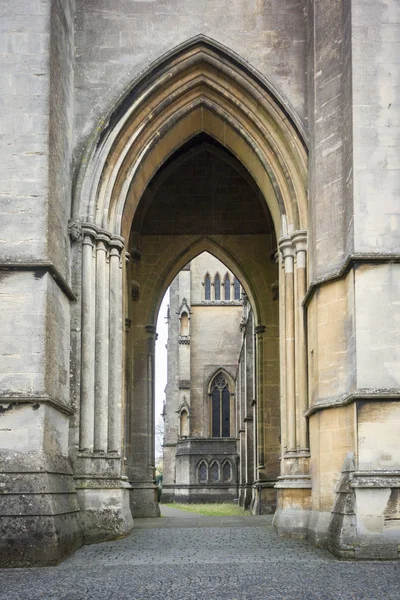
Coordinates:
204 558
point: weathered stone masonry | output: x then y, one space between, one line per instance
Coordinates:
98 100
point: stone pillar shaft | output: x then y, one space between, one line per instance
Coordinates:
288 257
152 337
259 330
87 372
102 348
115 355
300 244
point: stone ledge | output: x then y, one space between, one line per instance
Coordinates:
34 463
47 267
375 479
99 455
91 482
294 482
349 263
12 399
362 394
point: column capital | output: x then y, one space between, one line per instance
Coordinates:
104 237
117 243
286 247
299 239
89 233
260 329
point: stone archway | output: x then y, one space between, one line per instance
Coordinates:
199 88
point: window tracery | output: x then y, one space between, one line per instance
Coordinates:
220 407
226 289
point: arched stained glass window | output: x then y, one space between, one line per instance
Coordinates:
203 472
207 288
226 471
227 288
236 286
214 472
217 287
220 407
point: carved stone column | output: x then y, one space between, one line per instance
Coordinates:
263 493
259 330
151 345
102 489
86 428
141 463
115 356
286 248
102 345
294 484
300 245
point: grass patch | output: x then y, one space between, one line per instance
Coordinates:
224 509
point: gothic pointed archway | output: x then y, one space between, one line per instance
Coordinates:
199 89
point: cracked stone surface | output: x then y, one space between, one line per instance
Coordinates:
204 558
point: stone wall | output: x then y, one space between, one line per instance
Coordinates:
333 67
269 35
37 56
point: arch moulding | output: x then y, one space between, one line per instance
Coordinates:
200 87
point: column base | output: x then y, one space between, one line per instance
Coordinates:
105 508
263 501
167 494
365 521
143 500
40 520
41 523
292 515
246 493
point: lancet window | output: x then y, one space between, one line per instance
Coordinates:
226 471
236 288
184 324
184 424
220 407
202 472
214 472
227 288
217 288
207 287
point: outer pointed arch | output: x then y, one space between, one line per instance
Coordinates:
141 118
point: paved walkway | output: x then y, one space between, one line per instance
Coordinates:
203 558
170 511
